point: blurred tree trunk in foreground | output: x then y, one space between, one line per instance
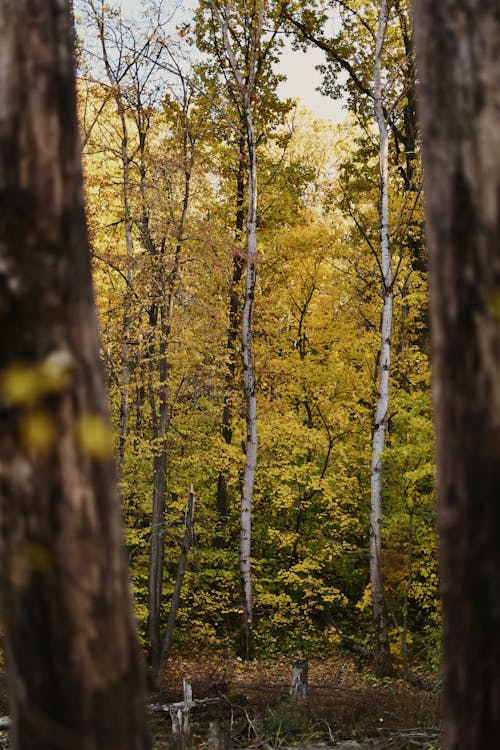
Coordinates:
74 668
459 70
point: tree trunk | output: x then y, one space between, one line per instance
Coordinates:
74 670
181 570
459 71
300 677
166 309
160 459
245 80
231 342
382 652
181 720
157 542
250 393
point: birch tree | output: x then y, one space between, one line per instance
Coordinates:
459 73
382 651
245 80
371 101
74 669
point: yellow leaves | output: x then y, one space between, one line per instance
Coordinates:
19 384
365 603
22 384
25 385
282 539
94 436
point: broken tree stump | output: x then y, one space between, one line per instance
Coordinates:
180 714
300 674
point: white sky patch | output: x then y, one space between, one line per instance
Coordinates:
302 80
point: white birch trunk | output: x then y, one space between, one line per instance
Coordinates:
246 85
382 653
250 394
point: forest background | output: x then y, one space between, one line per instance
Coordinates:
338 558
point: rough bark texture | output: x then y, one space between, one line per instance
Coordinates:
458 58
74 669
382 651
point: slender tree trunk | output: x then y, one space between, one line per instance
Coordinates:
459 71
163 316
382 651
129 248
186 543
245 81
160 463
157 541
157 556
250 392
232 338
74 669
159 319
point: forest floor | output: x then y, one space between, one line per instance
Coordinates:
344 708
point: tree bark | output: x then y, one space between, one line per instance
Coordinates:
459 70
382 651
186 543
74 670
300 677
160 464
250 393
234 323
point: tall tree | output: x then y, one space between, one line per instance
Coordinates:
74 669
244 75
382 650
244 49
459 73
373 44
161 313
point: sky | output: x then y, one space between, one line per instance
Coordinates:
299 67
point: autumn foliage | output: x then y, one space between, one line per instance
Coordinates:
161 160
